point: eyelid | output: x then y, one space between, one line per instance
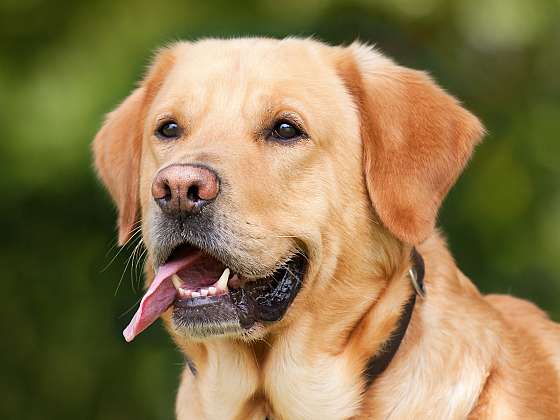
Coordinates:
165 118
292 118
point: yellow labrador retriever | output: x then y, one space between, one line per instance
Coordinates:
287 192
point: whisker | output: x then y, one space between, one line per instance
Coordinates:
131 308
132 238
135 227
141 263
138 249
123 273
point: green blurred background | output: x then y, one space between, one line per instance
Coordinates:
64 63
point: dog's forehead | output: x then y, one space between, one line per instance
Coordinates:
232 70
256 58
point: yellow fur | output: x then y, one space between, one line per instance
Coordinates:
385 146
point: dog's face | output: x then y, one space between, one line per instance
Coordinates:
253 163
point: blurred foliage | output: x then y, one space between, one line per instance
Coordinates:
63 64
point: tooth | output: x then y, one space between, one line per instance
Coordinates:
195 295
222 282
204 292
184 294
211 290
176 281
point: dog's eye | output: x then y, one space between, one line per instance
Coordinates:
168 130
284 130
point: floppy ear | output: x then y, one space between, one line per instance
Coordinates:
117 149
416 140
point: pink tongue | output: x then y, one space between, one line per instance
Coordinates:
158 298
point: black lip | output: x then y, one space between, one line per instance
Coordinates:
263 300
191 314
268 300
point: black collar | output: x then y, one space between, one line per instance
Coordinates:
377 364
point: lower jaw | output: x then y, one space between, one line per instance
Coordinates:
204 317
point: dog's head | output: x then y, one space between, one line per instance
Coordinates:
256 166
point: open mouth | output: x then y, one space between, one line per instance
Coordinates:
208 299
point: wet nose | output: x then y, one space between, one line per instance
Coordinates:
184 189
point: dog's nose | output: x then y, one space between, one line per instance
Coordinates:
184 189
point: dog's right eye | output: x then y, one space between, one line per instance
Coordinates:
169 130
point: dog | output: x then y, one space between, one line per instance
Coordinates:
286 192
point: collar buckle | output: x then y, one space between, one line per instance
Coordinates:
417 272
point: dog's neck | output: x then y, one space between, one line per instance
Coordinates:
357 321
377 364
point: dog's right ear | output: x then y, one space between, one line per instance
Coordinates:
117 147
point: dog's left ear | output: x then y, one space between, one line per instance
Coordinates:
416 139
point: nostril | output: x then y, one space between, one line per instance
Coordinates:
166 192
162 189
192 193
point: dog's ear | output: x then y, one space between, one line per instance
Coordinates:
416 139
117 147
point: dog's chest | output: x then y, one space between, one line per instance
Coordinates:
287 384
303 386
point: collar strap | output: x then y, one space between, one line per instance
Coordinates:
377 364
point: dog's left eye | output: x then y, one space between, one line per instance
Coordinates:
284 130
